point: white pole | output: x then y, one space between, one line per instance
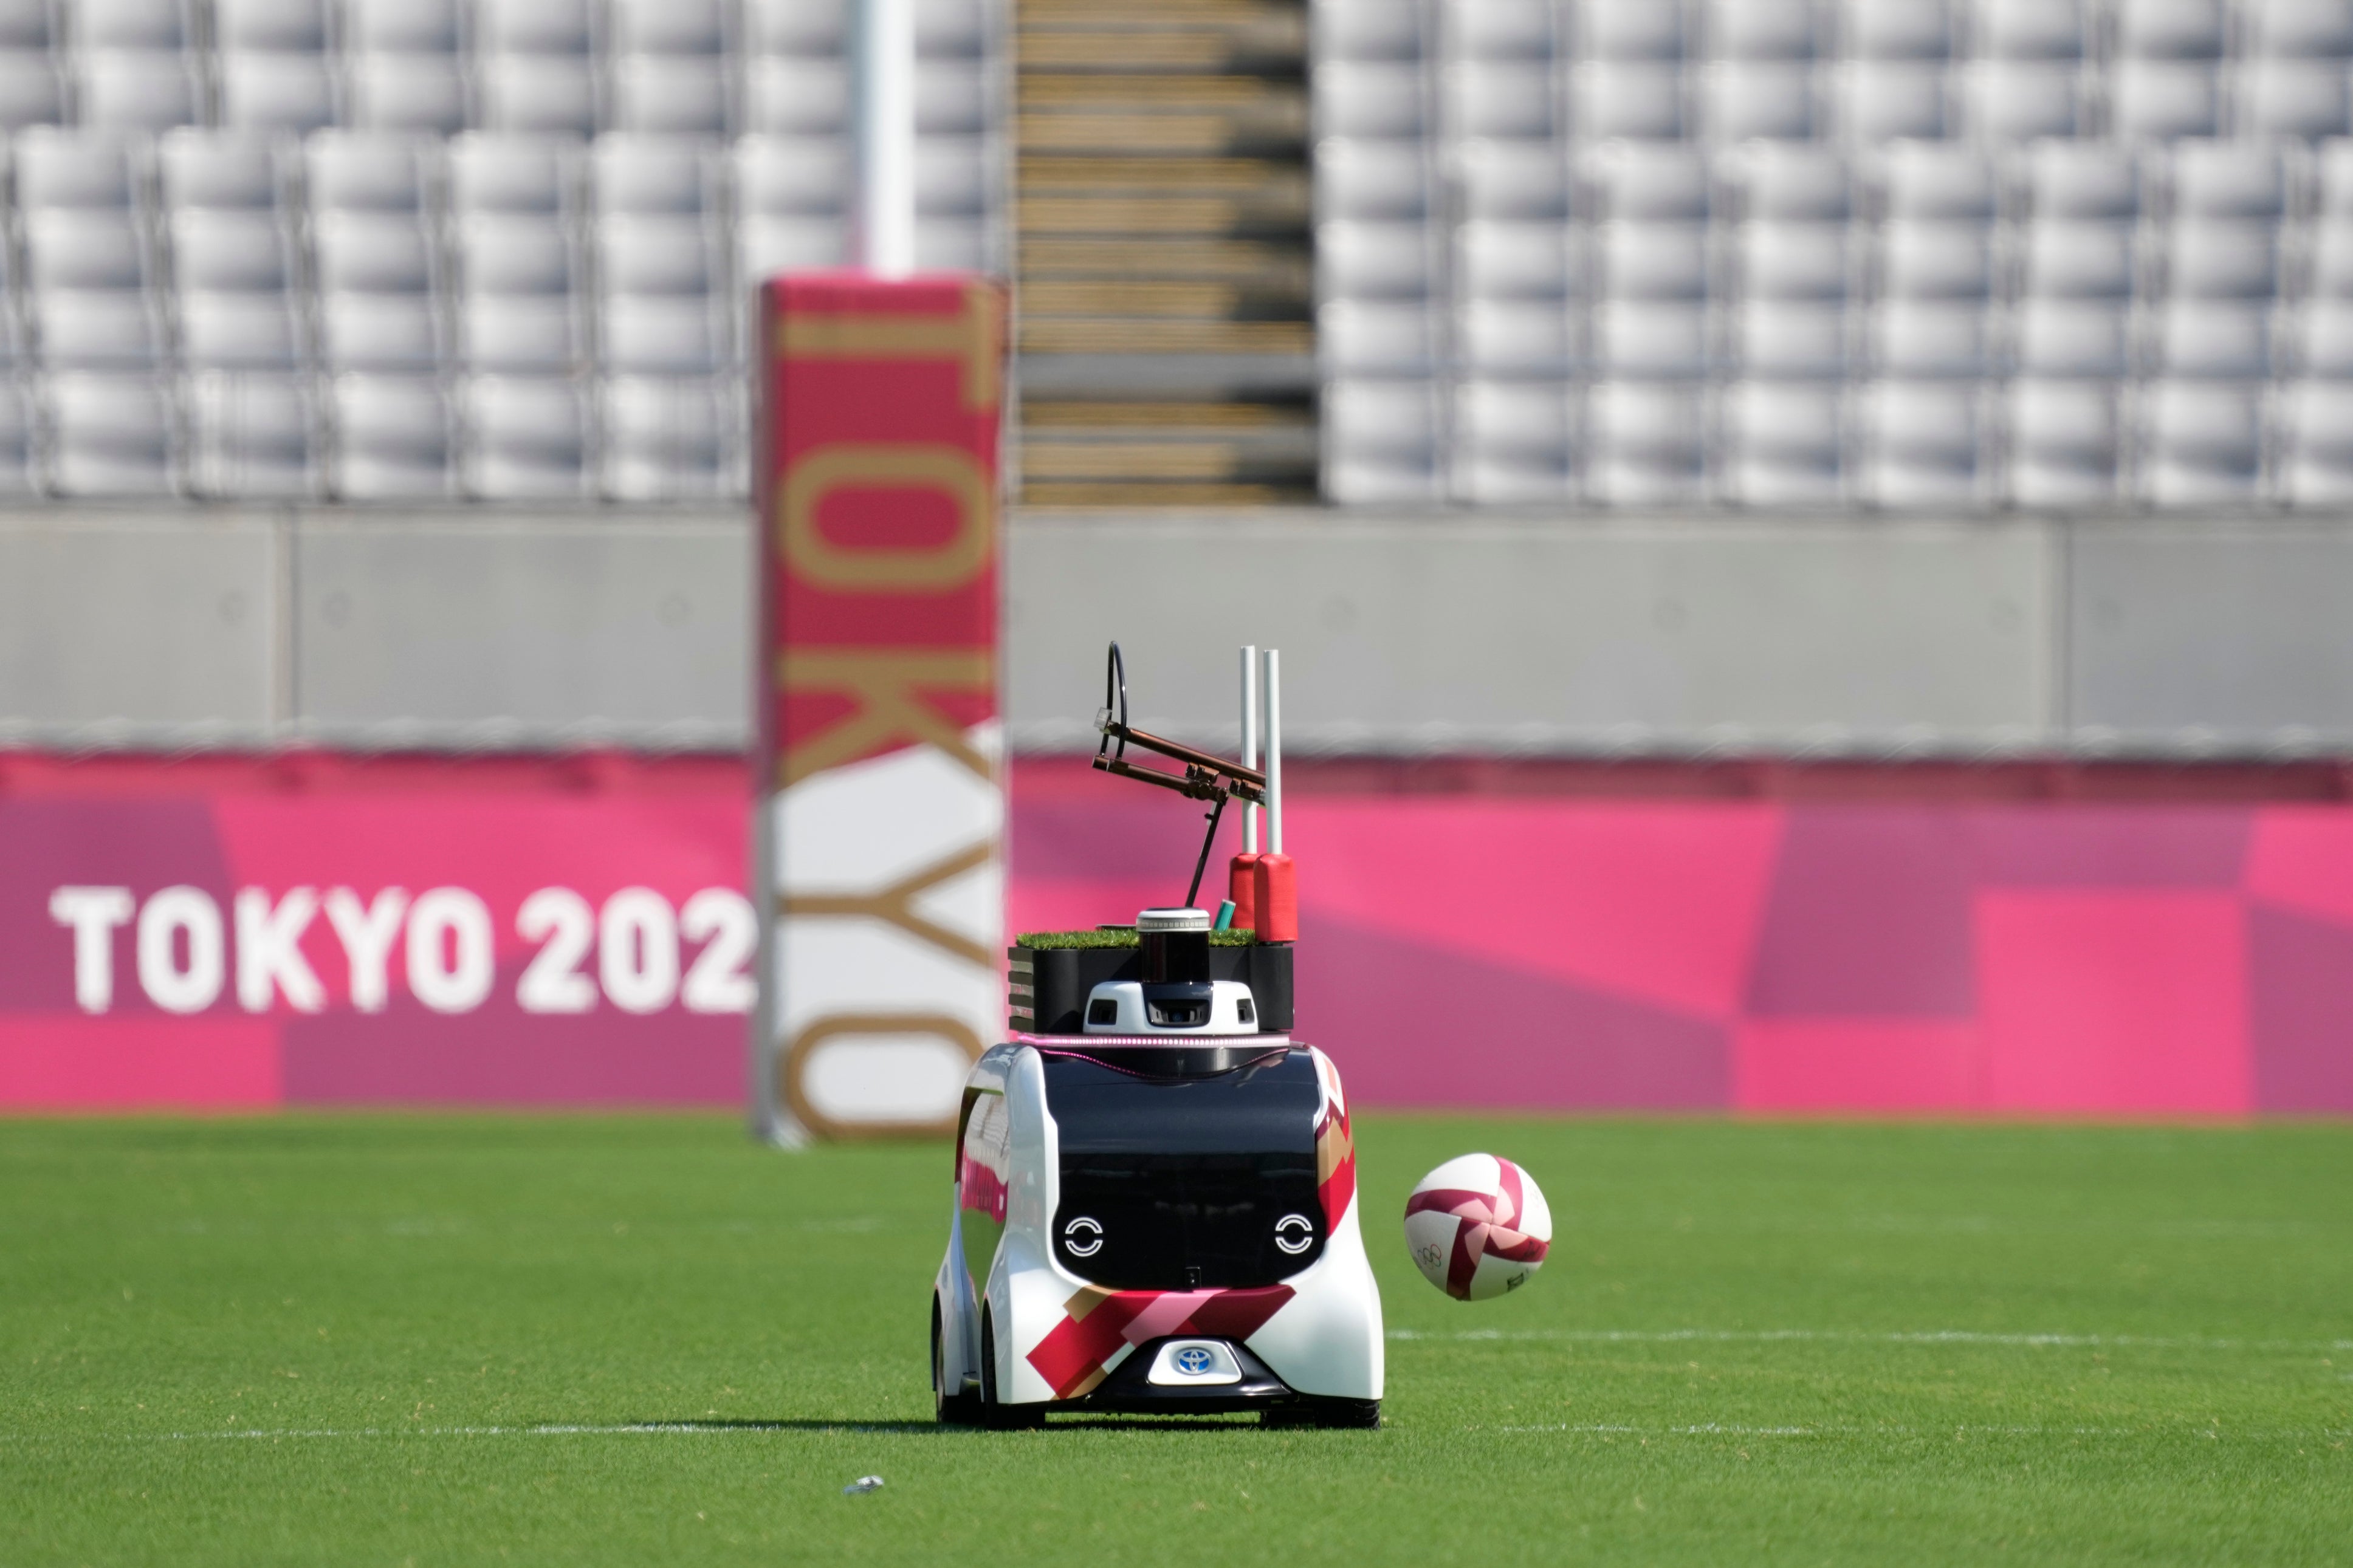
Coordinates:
1274 667
882 222
1250 742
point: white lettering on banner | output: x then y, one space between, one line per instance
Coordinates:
719 980
641 943
166 918
94 913
367 932
451 959
552 982
636 951
269 952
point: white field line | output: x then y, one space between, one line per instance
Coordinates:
1708 1429
272 1434
1855 1336
1712 1429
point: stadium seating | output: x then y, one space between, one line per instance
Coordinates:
1836 253
412 249
1761 252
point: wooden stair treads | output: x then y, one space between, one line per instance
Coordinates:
1163 207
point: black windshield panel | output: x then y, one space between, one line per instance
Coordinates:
1173 1185
1266 1108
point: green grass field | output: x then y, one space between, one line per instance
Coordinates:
382 1340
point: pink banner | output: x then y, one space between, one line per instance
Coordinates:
235 935
313 932
1907 957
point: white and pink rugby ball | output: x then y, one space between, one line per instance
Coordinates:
1478 1228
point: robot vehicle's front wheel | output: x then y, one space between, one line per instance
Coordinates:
958 1409
992 1414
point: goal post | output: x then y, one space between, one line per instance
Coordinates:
879 790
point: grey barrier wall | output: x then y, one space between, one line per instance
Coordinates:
1467 633
1401 632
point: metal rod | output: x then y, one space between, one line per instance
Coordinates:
1208 761
1272 667
1209 842
883 51
1198 784
1250 742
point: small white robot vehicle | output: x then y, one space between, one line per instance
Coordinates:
1156 1203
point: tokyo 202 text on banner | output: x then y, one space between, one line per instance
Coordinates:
234 933
879 868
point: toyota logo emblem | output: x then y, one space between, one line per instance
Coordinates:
1294 1234
1195 1359
1082 1237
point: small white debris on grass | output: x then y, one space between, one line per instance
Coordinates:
862 1484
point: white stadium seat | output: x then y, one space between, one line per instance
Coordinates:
1373 261
665 93
1621 30
1495 97
1641 99
1515 180
520 302
525 439
1648 339
252 435
2162 101
1646 443
1519 262
1898 29
1372 99
1362 30
2030 29
1774 100
32 91
1784 444
394 439
790 96
810 28
138 90
2020 100
2063 442
542 175
1763 29
110 436
1356 179
2316 429
2170 30
1881 100
1518 337
2302 99
2203 442
671 439
1508 30
1380 441
156 25
1385 337
1924 444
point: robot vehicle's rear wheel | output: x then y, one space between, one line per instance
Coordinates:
958 1409
992 1414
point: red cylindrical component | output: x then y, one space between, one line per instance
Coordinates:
1241 887
1276 899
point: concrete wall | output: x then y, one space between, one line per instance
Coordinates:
492 629
1401 632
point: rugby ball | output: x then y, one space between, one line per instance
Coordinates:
1478 1228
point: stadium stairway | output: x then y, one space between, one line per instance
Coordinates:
1166 285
